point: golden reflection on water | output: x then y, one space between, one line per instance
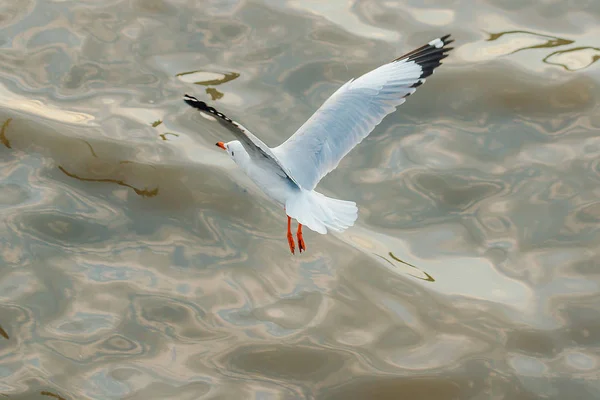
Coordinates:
50 394
142 192
3 137
551 41
569 63
3 333
209 78
557 54
427 278
206 78
163 136
214 93
189 294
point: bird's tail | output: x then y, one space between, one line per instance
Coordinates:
320 213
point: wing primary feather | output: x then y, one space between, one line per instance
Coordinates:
428 56
253 145
200 105
351 113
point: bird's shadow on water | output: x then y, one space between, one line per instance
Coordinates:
45 393
171 192
87 159
175 190
81 153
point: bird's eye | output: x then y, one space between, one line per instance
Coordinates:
232 154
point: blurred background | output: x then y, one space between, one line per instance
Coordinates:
137 261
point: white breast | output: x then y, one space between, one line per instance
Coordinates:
276 186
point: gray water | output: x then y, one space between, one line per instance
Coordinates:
138 262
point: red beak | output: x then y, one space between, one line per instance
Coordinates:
221 145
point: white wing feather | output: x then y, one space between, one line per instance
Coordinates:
352 112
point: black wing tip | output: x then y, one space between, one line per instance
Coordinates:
194 102
202 106
435 46
429 56
445 39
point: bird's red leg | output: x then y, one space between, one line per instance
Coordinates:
290 237
301 245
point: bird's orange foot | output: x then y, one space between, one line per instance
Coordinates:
301 245
290 236
291 242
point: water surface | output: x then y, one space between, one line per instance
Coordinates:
138 262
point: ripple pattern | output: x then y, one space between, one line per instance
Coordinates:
136 261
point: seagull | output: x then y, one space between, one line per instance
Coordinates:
289 173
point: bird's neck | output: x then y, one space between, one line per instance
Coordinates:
243 160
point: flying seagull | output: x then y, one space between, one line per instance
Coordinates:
289 172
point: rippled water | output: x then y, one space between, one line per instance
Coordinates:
138 262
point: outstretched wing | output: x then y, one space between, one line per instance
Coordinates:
352 112
255 147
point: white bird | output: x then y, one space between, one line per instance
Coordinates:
289 172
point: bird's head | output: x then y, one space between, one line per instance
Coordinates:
234 149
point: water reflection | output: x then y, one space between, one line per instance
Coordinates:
163 136
427 277
51 394
91 148
547 40
3 137
470 274
87 351
3 333
574 59
142 192
214 93
207 78
389 388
